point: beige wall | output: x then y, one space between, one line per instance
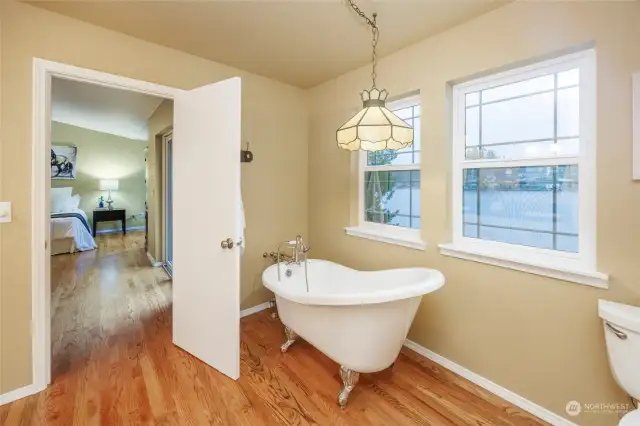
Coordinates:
265 210
274 120
105 156
159 123
536 336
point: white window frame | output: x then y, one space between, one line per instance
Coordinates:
577 267
391 234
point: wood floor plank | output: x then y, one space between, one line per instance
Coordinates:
433 392
114 364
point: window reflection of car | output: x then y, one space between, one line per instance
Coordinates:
550 187
471 186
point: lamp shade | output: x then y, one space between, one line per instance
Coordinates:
375 127
108 184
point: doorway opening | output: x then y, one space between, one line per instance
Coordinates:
196 158
167 160
103 285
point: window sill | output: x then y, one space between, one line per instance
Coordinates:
557 271
401 237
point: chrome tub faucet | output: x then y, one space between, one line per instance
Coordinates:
299 249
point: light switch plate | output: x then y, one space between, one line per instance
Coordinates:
5 211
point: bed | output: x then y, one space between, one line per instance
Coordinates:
70 230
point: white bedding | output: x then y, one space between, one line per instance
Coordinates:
72 227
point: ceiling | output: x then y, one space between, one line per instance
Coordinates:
299 42
103 109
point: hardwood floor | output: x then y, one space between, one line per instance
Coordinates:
114 364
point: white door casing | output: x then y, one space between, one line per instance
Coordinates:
43 72
226 317
206 188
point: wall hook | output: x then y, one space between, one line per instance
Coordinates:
246 156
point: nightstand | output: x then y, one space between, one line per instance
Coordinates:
104 215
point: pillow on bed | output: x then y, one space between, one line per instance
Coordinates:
73 203
59 199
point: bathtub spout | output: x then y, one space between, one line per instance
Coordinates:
291 338
349 380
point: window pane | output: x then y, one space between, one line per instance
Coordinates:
392 198
528 205
472 126
567 243
405 156
518 89
401 220
402 159
413 122
521 119
515 236
372 158
411 115
524 150
569 112
415 199
472 99
567 147
399 195
387 157
567 206
516 197
470 196
569 78
470 231
417 129
404 113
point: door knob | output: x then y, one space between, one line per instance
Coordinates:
227 244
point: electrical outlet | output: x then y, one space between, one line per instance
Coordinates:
5 212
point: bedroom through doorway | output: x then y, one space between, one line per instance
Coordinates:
110 266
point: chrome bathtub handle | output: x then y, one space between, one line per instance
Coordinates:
619 334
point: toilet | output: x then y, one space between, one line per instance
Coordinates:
622 333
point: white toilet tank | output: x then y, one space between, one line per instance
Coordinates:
622 334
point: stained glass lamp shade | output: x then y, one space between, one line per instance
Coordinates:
375 127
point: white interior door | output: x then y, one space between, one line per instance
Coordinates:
206 195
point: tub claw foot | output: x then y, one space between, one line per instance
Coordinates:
350 380
291 338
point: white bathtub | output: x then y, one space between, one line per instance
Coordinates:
358 319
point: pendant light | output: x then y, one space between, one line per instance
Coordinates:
374 128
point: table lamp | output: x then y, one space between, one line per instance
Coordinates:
109 185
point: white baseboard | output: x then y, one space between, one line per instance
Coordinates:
20 393
492 387
255 309
154 263
116 230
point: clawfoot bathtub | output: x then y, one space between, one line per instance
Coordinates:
358 319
